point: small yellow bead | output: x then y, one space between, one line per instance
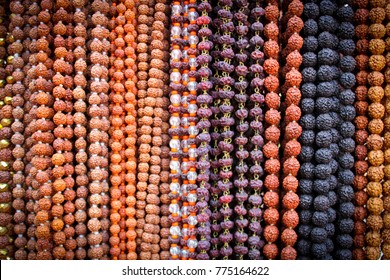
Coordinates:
8 100
5 207
2 42
4 187
4 143
10 59
3 231
6 122
10 80
10 39
2 83
4 166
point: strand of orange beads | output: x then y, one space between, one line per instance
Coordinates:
175 131
116 134
361 122
69 194
375 142
63 129
154 109
144 122
272 130
80 131
98 113
130 128
18 127
160 67
293 42
6 81
29 121
43 136
104 143
385 234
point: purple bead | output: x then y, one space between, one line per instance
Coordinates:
241 113
215 228
225 39
204 72
226 161
225 94
202 256
242 154
203 59
256 125
226 81
224 186
255 212
228 53
243 223
242 43
240 250
226 212
228 251
255 200
215 135
253 240
223 146
227 224
226 121
255 227
225 13
241 57
204 113
257 12
257 55
241 183
225 174
226 2
256 184
227 134
204 165
242 127
226 238
241 196
240 237
256 111
202 204
242 169
226 108
204 137
257 155
205 46
201 192
241 98
205 6
204 99
241 140
204 32
240 210
257 26
257 140
257 169
256 68
254 254
204 245
227 27
214 254
173 240
202 218
241 70
202 151
192 255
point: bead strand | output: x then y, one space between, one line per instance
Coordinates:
292 130
130 129
43 136
18 127
308 89
225 145
63 130
385 233
346 97
204 126
29 120
215 137
116 107
80 128
375 141
242 126
160 61
6 166
193 130
256 117
272 129
361 122
98 125
144 122
174 131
